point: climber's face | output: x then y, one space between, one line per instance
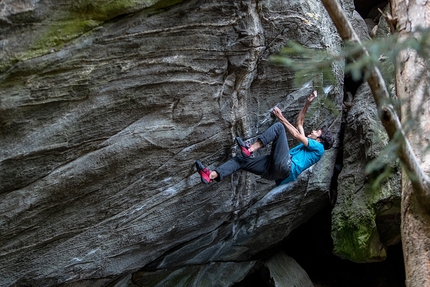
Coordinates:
315 135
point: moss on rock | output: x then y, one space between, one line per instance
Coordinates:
82 16
356 237
63 32
102 10
364 210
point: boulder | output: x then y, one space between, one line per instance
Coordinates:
215 274
285 272
366 217
104 109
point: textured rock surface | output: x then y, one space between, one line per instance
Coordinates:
366 217
212 274
285 272
103 110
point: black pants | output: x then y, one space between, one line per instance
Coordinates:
276 166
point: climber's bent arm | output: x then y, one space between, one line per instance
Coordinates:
290 128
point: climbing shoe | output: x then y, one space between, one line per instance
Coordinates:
244 147
204 172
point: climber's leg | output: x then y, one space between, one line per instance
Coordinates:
279 163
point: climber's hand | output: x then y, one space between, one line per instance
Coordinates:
312 97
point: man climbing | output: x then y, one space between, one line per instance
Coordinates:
282 165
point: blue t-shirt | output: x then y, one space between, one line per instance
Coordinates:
303 157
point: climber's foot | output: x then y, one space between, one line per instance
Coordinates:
204 172
244 147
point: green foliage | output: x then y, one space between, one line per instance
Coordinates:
307 64
310 63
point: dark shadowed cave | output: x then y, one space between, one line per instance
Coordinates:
311 246
364 7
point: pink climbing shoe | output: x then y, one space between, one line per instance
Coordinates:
244 147
204 172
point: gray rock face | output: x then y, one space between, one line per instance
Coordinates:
103 111
366 217
211 274
285 272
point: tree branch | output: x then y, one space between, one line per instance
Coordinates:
420 181
392 22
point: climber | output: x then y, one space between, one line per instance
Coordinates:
282 165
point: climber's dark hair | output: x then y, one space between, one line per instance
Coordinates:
326 138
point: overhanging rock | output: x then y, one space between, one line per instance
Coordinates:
100 127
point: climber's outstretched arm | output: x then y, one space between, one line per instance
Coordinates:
302 114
